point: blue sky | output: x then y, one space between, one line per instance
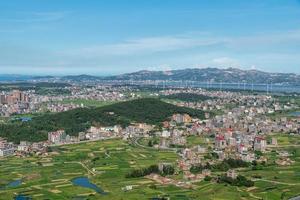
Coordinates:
102 37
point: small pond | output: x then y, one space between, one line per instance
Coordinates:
22 197
11 184
85 182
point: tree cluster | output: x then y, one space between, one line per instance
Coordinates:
239 181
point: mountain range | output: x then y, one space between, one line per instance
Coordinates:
229 75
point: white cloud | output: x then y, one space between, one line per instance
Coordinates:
150 45
225 62
146 46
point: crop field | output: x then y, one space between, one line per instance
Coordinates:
107 162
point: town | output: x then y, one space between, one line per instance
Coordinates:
237 130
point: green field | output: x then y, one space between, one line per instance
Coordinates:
49 177
107 162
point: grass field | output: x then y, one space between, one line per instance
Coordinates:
107 162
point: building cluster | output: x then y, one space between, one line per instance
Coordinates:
9 149
99 92
14 102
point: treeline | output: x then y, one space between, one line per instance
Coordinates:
166 170
188 97
238 181
143 172
52 91
223 166
148 110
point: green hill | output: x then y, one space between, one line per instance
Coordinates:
148 110
188 97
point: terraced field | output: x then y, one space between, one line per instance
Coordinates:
107 162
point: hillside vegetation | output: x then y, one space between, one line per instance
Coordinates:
147 110
188 97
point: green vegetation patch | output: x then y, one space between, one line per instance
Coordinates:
147 110
188 97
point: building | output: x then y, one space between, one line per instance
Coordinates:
7 152
241 148
181 118
3 99
220 142
260 143
6 149
274 141
3 143
165 134
206 172
24 146
231 173
57 137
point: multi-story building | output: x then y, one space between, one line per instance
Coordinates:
260 143
57 137
6 149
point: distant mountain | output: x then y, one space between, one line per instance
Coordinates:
82 77
14 77
229 75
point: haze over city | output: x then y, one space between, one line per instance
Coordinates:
54 37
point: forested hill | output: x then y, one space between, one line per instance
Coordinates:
188 97
148 110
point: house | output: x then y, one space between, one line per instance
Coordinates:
127 188
165 134
220 142
274 141
24 146
6 149
231 173
206 172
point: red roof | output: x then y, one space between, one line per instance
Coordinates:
220 137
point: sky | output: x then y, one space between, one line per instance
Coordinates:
106 37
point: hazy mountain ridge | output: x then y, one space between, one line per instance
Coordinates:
229 75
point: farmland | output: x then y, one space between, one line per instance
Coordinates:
107 162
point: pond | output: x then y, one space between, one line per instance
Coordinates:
22 197
15 183
85 182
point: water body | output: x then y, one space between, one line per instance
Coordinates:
269 88
85 182
295 114
22 197
15 183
